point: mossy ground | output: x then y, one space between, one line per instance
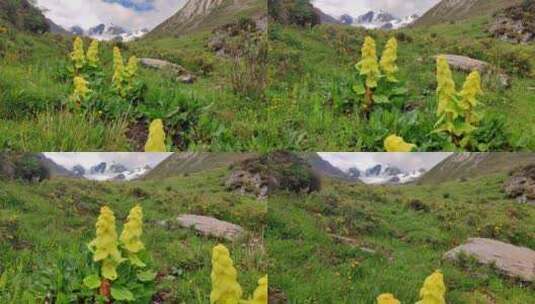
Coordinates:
409 227
45 229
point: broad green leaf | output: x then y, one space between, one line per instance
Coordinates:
3 280
136 261
146 276
122 294
399 91
92 281
359 89
381 99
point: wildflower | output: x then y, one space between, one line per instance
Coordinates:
446 87
434 290
260 295
77 55
3 30
156 141
131 68
471 90
395 143
387 298
225 287
388 60
80 89
118 67
92 54
105 244
131 235
368 65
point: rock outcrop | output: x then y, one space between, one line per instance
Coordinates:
512 261
521 185
182 75
515 24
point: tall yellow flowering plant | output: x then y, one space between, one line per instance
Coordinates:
131 236
394 143
118 70
433 290
108 250
373 90
92 55
81 90
105 245
457 110
156 140
387 298
78 55
225 286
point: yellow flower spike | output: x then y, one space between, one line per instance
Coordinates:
131 68
118 67
395 143
225 286
105 244
92 54
471 90
260 295
434 290
446 86
77 55
80 86
387 298
131 235
156 141
388 60
3 30
368 65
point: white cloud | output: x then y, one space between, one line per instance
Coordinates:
363 161
88 13
400 8
88 159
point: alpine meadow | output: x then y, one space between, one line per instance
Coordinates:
458 78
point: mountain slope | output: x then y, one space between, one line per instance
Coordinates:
452 10
22 15
199 15
191 162
468 165
324 168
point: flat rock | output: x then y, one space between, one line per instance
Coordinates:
513 261
210 226
466 64
184 75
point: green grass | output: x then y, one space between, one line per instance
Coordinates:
45 229
311 267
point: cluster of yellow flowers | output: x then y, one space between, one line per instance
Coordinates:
3 30
123 77
453 104
432 292
77 55
369 67
394 143
80 60
106 244
156 140
92 55
225 286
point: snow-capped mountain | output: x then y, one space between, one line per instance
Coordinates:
108 32
378 20
113 171
384 174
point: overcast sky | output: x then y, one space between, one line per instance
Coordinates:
130 14
399 8
363 161
88 159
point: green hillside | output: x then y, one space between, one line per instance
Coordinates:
451 10
45 229
349 243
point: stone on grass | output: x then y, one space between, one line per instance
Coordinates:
210 226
